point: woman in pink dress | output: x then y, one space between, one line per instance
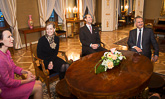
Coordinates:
12 88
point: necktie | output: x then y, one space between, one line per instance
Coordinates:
90 28
139 39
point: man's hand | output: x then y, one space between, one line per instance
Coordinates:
154 58
94 46
137 49
50 66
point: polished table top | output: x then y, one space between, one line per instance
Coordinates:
123 81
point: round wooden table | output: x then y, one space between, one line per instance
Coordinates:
123 81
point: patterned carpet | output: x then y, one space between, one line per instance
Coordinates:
52 91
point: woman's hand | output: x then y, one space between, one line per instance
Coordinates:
30 76
50 66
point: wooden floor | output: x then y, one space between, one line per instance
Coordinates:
72 48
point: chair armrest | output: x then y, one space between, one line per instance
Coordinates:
45 71
64 54
102 44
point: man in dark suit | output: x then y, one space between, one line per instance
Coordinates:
141 39
89 37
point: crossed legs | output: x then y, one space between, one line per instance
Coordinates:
64 67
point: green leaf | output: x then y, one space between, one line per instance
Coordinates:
100 68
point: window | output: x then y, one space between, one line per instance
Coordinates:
86 12
54 17
3 23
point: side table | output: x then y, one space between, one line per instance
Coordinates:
28 31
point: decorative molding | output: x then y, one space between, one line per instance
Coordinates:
162 13
108 20
107 14
139 5
107 23
108 2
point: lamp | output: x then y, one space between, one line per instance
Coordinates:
121 8
75 13
68 10
126 7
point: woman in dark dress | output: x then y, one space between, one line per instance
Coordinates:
47 49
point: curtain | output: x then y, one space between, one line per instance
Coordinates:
84 5
80 9
91 8
8 8
59 8
119 9
45 11
129 6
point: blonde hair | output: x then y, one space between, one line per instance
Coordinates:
50 23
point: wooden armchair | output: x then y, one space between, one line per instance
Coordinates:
43 74
121 21
149 23
59 32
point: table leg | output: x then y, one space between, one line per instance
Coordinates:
72 30
25 40
66 30
78 27
40 33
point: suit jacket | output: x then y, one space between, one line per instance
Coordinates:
87 38
148 39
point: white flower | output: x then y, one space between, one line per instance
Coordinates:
108 64
104 62
117 52
106 54
113 50
121 57
114 57
109 55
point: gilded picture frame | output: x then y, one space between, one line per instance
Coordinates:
162 13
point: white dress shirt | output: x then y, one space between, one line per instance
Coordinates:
89 26
138 36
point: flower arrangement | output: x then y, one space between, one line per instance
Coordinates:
109 60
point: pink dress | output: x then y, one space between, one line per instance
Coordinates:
12 88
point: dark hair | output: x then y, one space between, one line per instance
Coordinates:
1 35
138 17
86 16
